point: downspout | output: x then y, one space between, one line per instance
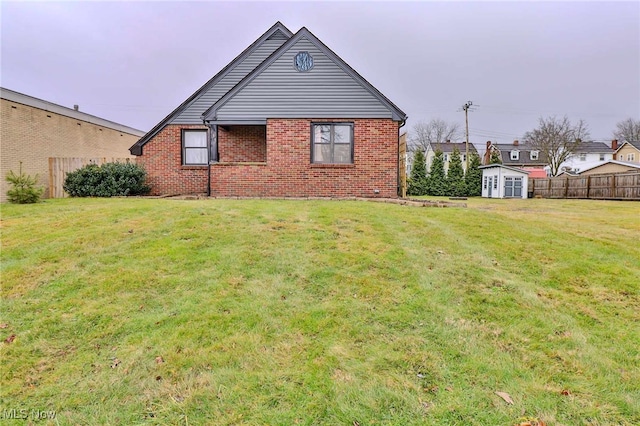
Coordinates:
212 135
398 183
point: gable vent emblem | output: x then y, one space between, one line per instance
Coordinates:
303 61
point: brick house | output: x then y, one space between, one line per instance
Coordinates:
34 130
286 118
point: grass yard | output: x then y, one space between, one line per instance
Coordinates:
260 312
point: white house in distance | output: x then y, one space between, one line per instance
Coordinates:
588 155
447 149
500 181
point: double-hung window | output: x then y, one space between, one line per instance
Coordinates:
515 155
332 143
194 147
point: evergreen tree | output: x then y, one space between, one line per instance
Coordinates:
495 157
24 188
437 181
473 177
455 176
417 184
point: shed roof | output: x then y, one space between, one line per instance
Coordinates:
502 166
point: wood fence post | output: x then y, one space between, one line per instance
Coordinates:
588 185
566 186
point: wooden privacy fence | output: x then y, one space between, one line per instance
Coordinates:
614 186
59 167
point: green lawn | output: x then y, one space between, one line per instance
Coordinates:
157 311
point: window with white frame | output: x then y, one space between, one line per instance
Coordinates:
601 156
583 156
533 155
332 143
495 182
485 182
446 157
194 147
631 156
513 187
515 155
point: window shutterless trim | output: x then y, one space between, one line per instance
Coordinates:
332 124
183 151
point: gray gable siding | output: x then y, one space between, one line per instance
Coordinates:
192 114
326 91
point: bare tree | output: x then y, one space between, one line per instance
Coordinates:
435 131
557 139
628 130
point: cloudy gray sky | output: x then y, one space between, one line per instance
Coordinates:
134 62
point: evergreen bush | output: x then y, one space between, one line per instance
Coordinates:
437 181
108 180
473 177
417 182
24 188
455 176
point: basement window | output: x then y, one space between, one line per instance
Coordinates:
194 148
332 143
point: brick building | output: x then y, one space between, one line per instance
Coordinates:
33 130
286 118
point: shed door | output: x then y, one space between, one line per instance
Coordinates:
490 186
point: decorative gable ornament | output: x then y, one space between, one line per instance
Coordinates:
303 61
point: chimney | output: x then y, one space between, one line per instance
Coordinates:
614 144
516 143
76 107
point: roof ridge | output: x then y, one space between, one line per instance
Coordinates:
72 113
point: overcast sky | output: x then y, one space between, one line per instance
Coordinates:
134 62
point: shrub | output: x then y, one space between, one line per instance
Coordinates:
108 180
24 188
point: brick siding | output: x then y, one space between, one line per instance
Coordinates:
32 135
162 159
242 144
288 171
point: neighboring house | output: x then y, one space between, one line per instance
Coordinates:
500 181
516 155
587 155
447 149
286 118
627 151
33 130
611 166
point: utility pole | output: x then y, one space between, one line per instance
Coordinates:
465 108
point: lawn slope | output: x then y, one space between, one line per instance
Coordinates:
146 311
